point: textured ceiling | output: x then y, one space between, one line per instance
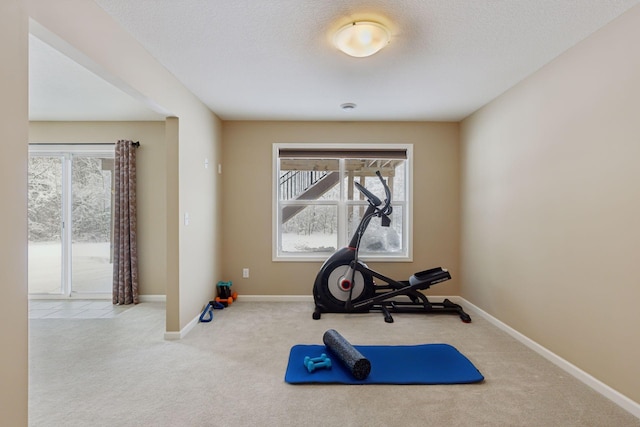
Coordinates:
273 60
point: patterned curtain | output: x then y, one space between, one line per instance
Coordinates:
125 250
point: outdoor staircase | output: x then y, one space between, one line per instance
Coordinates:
304 185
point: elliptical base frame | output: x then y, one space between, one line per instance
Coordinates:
382 297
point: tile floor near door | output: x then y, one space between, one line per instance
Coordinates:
78 309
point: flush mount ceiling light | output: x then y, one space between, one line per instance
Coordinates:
361 38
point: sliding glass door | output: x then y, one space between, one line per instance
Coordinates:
70 220
91 261
45 224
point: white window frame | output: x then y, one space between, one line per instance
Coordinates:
343 238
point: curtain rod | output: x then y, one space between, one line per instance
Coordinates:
135 144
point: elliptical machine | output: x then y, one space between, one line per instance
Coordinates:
345 284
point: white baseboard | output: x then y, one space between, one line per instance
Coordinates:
276 298
152 298
597 385
170 336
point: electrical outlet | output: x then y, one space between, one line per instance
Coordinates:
245 273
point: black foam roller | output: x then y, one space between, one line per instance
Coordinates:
348 355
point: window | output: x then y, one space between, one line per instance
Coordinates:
317 206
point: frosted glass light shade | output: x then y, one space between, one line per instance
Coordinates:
361 38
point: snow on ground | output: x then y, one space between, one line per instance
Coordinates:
315 242
92 270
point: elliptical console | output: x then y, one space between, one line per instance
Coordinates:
345 284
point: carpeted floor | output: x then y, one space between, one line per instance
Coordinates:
120 371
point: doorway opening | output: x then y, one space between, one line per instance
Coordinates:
70 220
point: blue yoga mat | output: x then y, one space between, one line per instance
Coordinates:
404 364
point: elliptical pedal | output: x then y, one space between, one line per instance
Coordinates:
425 279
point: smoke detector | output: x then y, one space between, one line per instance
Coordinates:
348 106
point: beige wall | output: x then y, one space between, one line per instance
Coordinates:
191 137
551 206
200 196
13 213
172 212
151 184
247 207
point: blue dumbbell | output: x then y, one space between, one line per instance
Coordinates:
317 362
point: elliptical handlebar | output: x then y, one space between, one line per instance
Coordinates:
371 198
375 200
387 194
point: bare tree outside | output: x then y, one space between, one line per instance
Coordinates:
91 208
